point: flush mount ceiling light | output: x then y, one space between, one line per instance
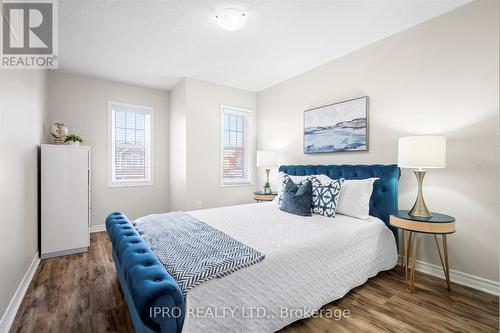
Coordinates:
231 19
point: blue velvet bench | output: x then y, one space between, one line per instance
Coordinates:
154 299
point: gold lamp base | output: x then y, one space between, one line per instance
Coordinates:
267 185
419 208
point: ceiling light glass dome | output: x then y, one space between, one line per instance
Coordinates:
231 19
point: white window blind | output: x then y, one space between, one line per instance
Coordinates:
236 146
130 144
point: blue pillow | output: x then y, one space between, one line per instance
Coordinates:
297 200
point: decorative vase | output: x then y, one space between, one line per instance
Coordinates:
58 132
73 143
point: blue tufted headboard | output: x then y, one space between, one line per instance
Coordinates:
384 199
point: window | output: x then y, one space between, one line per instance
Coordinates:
236 146
129 145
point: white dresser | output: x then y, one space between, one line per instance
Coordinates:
64 200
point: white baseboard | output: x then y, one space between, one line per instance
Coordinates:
469 280
14 304
97 228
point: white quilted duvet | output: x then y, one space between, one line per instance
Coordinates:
310 261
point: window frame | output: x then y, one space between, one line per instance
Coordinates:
111 147
229 109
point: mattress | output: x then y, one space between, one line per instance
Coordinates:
310 261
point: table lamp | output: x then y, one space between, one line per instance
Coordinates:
419 153
266 159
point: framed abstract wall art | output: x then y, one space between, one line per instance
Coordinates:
337 127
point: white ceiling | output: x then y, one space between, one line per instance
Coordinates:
157 43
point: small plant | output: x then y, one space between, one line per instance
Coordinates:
267 187
73 138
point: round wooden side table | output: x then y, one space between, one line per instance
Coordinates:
438 224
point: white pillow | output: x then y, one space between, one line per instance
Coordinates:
355 196
324 179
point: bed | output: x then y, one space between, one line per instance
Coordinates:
310 261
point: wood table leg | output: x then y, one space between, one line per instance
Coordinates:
447 271
413 260
407 257
403 252
410 252
444 263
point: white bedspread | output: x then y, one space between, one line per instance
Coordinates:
310 261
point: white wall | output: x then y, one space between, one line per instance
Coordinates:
177 151
22 113
195 106
82 104
438 77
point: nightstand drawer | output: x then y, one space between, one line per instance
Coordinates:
419 226
261 196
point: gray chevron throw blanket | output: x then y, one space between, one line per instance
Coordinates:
192 251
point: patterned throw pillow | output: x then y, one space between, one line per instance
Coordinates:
325 196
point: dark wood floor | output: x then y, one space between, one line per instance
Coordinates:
81 293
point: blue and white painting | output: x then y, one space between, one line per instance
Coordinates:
336 127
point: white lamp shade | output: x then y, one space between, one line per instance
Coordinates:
266 158
422 152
